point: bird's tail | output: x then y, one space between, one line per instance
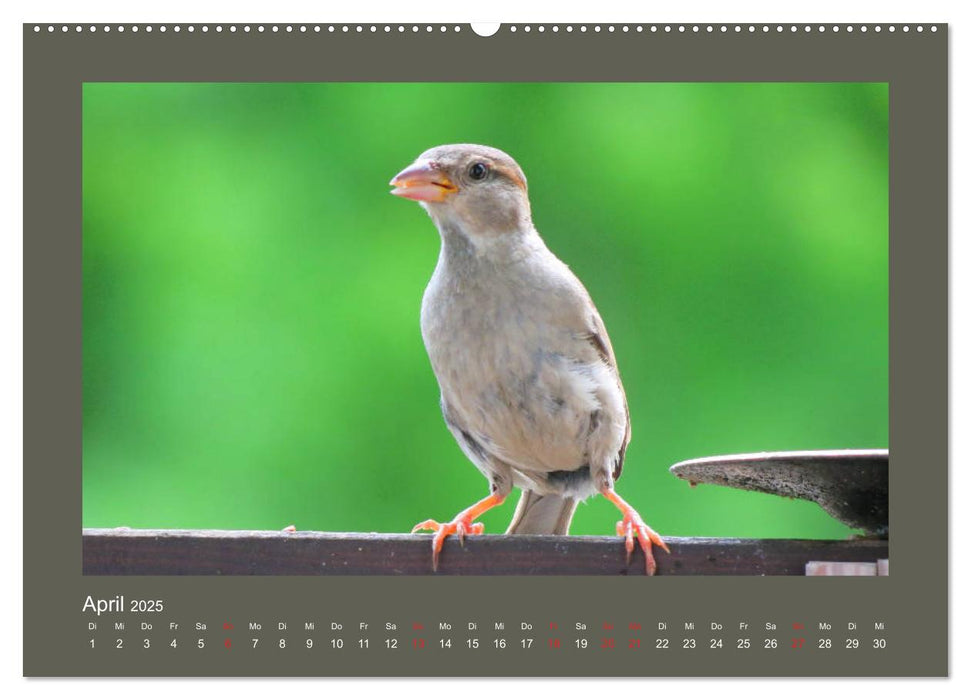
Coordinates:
542 515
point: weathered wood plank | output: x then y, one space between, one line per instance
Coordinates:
219 552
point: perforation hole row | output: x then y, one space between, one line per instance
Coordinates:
513 28
247 28
716 28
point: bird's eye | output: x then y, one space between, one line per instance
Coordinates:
478 171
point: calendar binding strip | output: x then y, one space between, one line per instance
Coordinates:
421 29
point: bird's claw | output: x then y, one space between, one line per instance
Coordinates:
632 525
626 530
461 527
426 525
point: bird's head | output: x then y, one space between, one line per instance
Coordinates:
478 189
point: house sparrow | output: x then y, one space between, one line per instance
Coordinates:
529 382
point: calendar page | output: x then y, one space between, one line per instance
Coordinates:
485 350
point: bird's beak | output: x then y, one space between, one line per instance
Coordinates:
423 182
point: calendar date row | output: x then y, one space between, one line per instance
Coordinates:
500 643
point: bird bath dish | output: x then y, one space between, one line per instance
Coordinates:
850 485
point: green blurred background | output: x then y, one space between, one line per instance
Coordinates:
252 356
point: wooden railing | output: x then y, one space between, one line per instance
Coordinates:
124 551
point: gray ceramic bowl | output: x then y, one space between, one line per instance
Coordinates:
850 485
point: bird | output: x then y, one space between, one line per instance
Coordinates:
529 382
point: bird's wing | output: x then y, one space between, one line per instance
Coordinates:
597 335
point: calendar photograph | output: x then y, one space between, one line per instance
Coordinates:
486 328
583 355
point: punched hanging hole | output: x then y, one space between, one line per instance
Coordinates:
485 28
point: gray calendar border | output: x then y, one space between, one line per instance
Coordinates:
913 600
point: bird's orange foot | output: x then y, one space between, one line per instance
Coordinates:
461 525
632 525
